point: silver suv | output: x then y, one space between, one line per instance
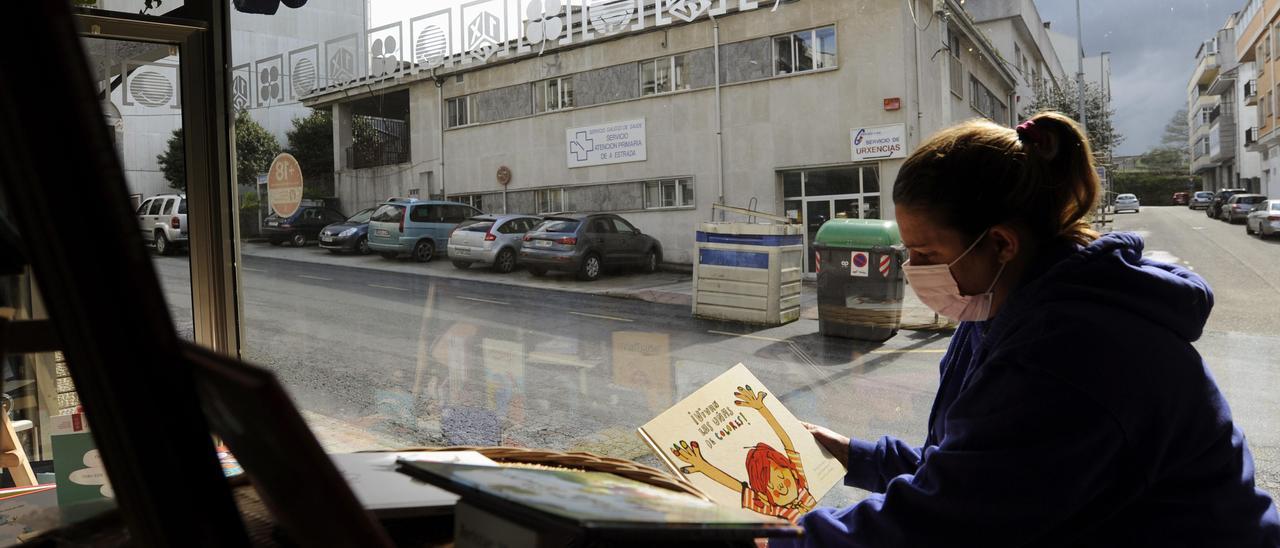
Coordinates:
163 221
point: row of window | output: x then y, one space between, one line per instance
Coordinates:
656 194
986 103
803 51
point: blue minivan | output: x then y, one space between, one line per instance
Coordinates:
418 228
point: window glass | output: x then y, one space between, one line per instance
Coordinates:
648 78
182 206
168 207
425 214
458 213
804 50
870 179
475 225
678 75
686 192
825 55
782 55
558 226
155 207
388 213
142 209
662 80
622 227
566 92
361 217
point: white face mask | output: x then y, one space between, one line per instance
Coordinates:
937 288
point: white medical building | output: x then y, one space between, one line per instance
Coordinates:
618 106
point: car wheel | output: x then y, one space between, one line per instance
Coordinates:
424 251
590 269
651 262
505 261
298 240
362 246
389 255
537 271
163 246
461 265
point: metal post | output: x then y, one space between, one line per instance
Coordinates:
719 117
1084 122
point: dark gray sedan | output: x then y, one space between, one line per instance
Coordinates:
351 235
587 244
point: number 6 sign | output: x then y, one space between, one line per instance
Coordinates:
284 185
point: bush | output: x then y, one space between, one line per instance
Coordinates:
1151 188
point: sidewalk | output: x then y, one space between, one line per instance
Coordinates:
663 287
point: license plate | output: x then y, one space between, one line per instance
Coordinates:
462 251
542 243
382 232
326 239
272 223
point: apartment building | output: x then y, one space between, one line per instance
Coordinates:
1256 43
1022 39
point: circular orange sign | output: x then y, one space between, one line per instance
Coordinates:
284 185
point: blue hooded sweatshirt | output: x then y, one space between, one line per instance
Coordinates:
1079 416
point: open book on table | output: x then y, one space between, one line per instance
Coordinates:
739 445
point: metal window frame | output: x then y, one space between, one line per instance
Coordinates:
105 299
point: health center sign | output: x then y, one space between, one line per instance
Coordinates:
612 143
879 142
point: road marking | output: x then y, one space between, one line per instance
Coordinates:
912 351
746 336
387 287
251 269
601 316
486 301
321 278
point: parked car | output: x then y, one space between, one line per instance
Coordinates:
1201 200
163 222
588 244
1181 198
349 236
1264 220
1214 211
409 226
490 239
1239 206
303 226
1127 202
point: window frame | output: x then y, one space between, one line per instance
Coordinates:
676 186
816 56
542 199
540 92
451 121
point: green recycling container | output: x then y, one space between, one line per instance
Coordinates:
860 279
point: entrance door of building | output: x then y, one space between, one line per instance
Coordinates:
821 210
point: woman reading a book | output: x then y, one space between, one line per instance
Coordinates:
1072 408
775 484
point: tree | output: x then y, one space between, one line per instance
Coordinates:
255 149
311 142
1102 135
173 162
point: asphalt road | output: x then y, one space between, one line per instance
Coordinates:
419 360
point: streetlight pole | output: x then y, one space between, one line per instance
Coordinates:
1084 123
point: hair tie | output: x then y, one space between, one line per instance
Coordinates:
1028 133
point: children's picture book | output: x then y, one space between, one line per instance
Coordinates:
592 505
389 494
739 445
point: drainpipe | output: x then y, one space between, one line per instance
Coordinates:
719 120
443 118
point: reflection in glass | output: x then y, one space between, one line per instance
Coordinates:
804 50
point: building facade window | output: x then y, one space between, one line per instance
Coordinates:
554 94
1017 58
956 67
459 111
663 75
668 193
550 200
804 51
473 200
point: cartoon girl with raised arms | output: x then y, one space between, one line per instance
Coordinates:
775 483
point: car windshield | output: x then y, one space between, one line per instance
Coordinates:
475 225
388 213
361 217
1275 206
558 226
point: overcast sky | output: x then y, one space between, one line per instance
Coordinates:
1153 46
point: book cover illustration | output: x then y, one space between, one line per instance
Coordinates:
742 447
588 497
